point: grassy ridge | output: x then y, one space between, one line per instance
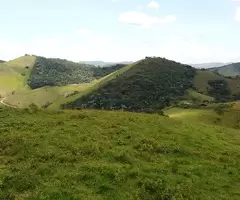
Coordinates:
115 155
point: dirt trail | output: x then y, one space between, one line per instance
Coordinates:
5 104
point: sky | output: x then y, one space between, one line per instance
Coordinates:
188 31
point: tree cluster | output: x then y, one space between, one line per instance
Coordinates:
59 72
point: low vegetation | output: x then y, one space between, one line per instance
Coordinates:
74 155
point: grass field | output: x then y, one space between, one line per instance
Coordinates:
96 155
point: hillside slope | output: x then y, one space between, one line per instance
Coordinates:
115 155
227 88
49 78
228 70
147 85
14 74
59 72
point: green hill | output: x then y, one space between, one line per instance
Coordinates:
217 86
49 79
14 74
147 85
230 70
154 83
94 155
59 72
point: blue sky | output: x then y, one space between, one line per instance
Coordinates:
189 31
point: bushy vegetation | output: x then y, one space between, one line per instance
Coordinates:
219 90
149 85
59 72
217 86
100 72
93 155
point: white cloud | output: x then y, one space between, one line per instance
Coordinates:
238 14
153 5
236 0
143 20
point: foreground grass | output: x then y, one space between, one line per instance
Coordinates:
74 155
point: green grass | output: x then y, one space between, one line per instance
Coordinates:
44 95
96 155
230 117
236 106
14 75
192 94
22 62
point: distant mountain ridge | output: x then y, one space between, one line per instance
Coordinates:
105 64
2 61
209 65
228 70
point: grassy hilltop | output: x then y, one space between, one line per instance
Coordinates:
15 73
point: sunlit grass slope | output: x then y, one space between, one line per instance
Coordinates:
44 96
14 74
229 118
